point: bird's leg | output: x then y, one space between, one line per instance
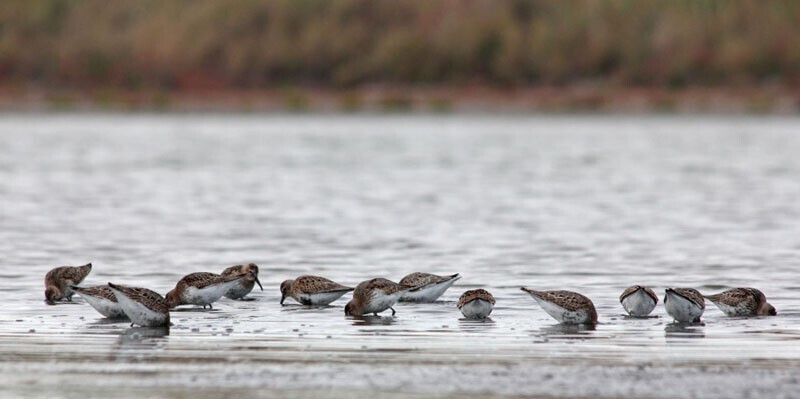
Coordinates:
375 314
131 324
393 312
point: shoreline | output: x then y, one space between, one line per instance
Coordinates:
417 99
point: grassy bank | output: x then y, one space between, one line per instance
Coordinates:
352 54
213 44
440 99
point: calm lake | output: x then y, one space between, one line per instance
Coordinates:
586 203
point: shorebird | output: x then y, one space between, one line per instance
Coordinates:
638 300
201 289
743 302
144 307
374 296
102 299
245 285
685 305
57 282
565 306
476 304
426 287
313 290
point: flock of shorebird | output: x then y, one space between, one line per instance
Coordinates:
149 309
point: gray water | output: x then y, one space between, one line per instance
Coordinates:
585 203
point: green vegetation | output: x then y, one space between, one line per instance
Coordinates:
351 102
294 100
439 104
396 102
60 102
207 44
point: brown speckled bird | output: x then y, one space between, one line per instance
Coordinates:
685 305
638 300
102 299
201 289
476 304
565 306
426 287
743 302
144 307
374 296
245 285
57 282
313 290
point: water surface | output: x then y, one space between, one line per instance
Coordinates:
586 203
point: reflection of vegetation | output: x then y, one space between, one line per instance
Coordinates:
249 43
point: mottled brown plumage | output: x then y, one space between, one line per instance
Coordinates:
742 302
150 299
567 306
638 300
418 279
240 269
202 279
132 299
692 295
374 296
426 287
472 295
57 281
685 305
634 288
98 291
388 287
200 288
312 290
250 270
566 299
102 299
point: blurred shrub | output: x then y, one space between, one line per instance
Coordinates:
396 103
295 100
439 104
249 43
351 102
60 102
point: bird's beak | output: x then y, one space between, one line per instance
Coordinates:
259 284
283 297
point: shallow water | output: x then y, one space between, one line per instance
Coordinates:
586 203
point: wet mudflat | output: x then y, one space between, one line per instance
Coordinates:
586 203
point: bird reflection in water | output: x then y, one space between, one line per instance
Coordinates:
566 331
685 330
475 325
142 337
372 320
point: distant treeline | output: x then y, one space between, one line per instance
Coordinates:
346 43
